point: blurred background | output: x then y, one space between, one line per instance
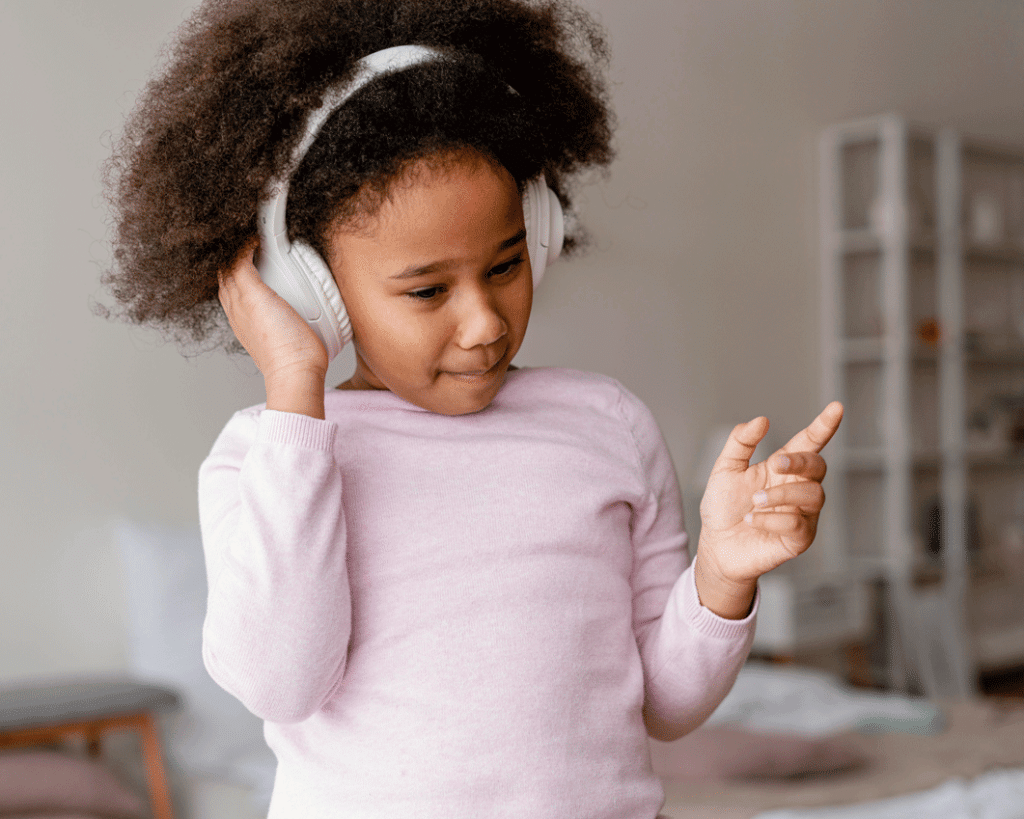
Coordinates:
702 292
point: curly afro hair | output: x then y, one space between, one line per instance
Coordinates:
220 121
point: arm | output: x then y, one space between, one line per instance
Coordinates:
700 656
278 615
270 499
690 654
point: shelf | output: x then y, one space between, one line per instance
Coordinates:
860 240
923 308
996 622
868 240
1010 254
995 649
872 351
995 460
872 459
998 351
862 350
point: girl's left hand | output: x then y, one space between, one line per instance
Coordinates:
756 517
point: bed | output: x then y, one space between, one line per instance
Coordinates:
787 743
964 760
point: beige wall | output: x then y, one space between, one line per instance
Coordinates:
701 293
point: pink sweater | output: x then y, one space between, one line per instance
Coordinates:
459 617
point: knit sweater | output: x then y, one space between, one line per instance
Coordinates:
456 617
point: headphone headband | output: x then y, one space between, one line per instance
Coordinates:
368 68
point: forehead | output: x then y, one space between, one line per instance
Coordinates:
461 204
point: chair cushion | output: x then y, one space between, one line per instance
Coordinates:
47 782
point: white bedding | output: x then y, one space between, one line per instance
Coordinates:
809 702
993 795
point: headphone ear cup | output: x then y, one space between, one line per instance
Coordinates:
333 326
557 222
545 226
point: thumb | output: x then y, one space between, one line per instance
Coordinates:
740 446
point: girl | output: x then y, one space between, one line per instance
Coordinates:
450 587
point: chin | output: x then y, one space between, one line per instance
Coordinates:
462 408
469 404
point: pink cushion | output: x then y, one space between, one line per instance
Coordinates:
46 782
50 815
713 753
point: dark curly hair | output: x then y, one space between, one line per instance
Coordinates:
222 117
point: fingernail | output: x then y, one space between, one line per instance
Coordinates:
784 462
760 498
748 518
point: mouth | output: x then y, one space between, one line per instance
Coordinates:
476 375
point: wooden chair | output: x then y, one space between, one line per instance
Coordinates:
55 711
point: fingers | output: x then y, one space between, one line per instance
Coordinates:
808 465
806 497
243 264
240 284
239 293
820 431
740 446
793 527
795 516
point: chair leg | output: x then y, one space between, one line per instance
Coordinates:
93 743
159 792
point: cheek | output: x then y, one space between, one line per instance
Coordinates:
397 334
523 303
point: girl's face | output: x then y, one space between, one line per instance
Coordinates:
438 286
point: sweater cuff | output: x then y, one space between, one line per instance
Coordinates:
709 623
295 429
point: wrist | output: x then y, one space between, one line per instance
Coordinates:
730 599
299 391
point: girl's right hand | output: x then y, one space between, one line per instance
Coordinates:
287 352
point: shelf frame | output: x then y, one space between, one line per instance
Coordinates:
881 225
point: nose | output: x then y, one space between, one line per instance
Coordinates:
479 322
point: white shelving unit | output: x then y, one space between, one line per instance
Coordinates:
922 259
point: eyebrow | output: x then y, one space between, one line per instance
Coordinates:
433 267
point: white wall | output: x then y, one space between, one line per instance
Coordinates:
701 294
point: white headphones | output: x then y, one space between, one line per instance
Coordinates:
298 274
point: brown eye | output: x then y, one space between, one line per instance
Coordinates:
507 267
426 294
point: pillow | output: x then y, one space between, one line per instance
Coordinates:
50 782
713 753
212 735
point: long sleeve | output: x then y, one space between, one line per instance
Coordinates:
690 655
279 608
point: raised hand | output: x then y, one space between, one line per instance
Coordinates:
755 517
